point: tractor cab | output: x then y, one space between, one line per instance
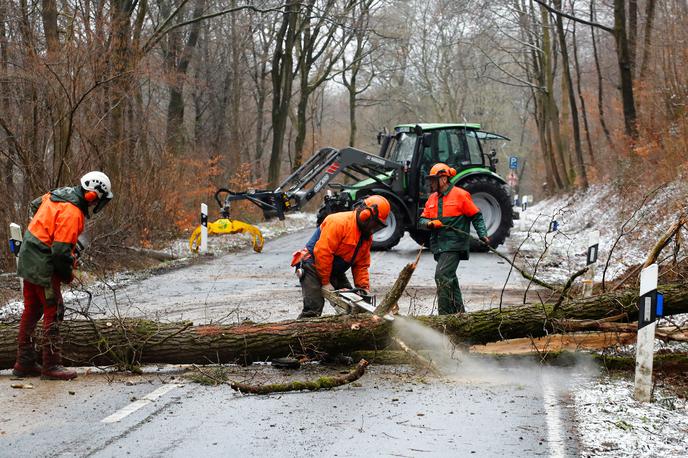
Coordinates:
458 145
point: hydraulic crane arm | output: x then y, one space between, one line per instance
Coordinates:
309 179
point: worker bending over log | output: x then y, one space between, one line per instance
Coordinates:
448 213
342 241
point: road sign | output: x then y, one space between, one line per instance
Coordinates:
513 162
512 179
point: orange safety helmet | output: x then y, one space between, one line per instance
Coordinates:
441 169
377 207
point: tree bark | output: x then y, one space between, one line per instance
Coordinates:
584 111
600 83
566 61
623 54
647 46
282 75
131 342
551 110
178 61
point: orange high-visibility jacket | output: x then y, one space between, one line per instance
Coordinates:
49 242
456 202
339 235
454 208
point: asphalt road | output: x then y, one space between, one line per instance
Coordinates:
478 409
391 411
262 286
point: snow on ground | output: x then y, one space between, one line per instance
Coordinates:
610 423
217 245
641 215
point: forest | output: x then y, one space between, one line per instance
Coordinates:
173 98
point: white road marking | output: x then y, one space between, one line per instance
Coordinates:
553 419
136 405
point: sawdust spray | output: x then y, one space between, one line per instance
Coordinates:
459 365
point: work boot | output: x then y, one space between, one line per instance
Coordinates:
33 370
52 356
58 373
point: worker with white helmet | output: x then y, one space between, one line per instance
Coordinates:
46 259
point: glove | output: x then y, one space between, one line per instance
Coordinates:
486 240
435 224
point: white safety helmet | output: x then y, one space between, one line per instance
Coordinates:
99 183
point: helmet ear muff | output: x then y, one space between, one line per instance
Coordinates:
90 196
366 212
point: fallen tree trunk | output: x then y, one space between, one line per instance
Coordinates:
131 342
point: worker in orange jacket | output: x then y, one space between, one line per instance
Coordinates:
47 259
342 241
448 214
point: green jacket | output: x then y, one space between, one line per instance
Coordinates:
456 210
49 241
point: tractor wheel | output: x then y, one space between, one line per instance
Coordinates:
492 197
389 236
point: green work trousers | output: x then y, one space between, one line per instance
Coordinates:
313 300
449 298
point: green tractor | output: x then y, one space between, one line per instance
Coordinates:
398 172
417 148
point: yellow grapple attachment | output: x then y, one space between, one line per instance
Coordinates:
228 226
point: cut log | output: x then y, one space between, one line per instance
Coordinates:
133 341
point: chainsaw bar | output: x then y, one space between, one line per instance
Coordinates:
357 302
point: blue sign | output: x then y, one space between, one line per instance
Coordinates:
513 162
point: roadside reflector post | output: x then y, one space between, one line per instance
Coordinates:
590 261
524 203
204 229
649 304
15 244
553 226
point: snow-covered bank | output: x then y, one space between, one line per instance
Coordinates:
640 215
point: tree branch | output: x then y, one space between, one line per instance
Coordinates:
574 18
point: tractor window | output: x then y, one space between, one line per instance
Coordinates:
402 147
443 146
458 156
474 147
